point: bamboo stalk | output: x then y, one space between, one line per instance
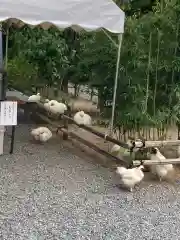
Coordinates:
143 132
158 133
156 79
153 134
149 133
119 133
147 130
148 72
175 53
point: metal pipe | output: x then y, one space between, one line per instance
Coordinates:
115 84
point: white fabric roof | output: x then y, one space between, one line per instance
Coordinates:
89 15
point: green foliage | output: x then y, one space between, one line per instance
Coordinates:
164 73
45 49
21 73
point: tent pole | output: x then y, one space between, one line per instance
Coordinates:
1 88
116 83
110 38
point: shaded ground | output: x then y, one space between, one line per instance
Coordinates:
47 192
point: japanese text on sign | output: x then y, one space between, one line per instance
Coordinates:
8 113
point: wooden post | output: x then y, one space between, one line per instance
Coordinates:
55 89
156 162
12 139
178 127
65 123
162 143
33 89
47 91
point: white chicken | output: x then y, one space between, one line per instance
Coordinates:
45 136
34 98
160 170
53 102
56 107
82 118
130 177
35 133
46 104
42 134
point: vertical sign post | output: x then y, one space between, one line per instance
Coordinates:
2 129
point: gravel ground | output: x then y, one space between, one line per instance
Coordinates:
49 193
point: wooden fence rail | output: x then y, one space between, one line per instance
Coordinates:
97 133
156 162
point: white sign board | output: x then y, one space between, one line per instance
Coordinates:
8 113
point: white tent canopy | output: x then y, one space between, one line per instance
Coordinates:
89 15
